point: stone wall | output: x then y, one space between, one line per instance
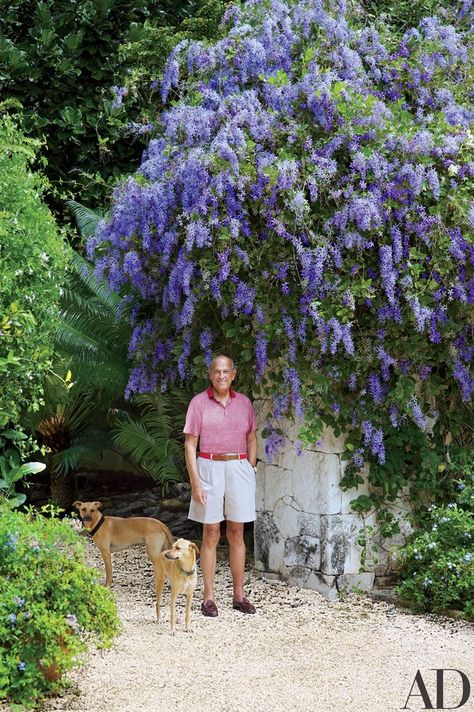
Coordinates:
306 532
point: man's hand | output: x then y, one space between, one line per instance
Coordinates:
198 495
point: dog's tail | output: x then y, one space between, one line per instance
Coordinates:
170 539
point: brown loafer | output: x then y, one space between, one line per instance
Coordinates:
209 609
244 606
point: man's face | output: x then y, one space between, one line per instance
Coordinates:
221 374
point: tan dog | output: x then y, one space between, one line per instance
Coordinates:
116 533
178 565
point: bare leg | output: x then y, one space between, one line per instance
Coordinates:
235 537
211 535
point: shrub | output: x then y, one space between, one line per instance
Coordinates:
32 263
437 563
51 605
306 205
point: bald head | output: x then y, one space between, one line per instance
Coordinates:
221 358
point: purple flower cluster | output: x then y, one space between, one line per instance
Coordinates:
300 185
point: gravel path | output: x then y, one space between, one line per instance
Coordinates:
299 652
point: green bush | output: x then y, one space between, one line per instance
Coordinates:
51 605
32 263
438 560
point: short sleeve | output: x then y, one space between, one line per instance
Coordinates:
252 418
193 422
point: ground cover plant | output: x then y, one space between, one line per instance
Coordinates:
51 605
306 206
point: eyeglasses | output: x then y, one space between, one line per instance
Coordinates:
225 371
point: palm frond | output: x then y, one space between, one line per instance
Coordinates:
84 272
86 219
70 459
136 442
150 441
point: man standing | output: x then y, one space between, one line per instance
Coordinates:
222 475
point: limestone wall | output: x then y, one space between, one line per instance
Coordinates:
306 531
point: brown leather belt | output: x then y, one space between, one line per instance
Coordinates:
223 457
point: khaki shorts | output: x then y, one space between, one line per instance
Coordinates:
229 487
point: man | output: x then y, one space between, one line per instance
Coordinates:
222 475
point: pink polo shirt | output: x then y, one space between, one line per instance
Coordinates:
220 428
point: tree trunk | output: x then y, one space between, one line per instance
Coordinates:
62 490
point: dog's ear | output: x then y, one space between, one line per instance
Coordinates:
194 546
77 504
98 505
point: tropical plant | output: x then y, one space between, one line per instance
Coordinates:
154 442
12 469
68 429
306 205
94 333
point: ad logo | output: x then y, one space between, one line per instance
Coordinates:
419 684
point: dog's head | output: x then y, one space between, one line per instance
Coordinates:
88 512
182 550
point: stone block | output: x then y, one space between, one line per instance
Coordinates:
269 544
324 584
286 518
302 551
287 458
260 478
347 582
297 576
309 524
340 552
316 483
277 485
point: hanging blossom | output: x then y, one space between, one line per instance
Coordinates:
292 204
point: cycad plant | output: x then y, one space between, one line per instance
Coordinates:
154 440
69 428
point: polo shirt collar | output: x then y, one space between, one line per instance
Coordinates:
210 392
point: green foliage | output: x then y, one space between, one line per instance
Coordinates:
47 619
437 562
93 334
154 441
402 14
32 263
12 470
196 20
60 60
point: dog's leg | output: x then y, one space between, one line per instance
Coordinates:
107 557
189 600
173 597
159 583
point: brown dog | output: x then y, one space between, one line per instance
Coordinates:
178 565
116 533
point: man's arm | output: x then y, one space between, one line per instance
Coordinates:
190 449
252 447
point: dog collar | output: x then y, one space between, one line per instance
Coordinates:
97 526
183 572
